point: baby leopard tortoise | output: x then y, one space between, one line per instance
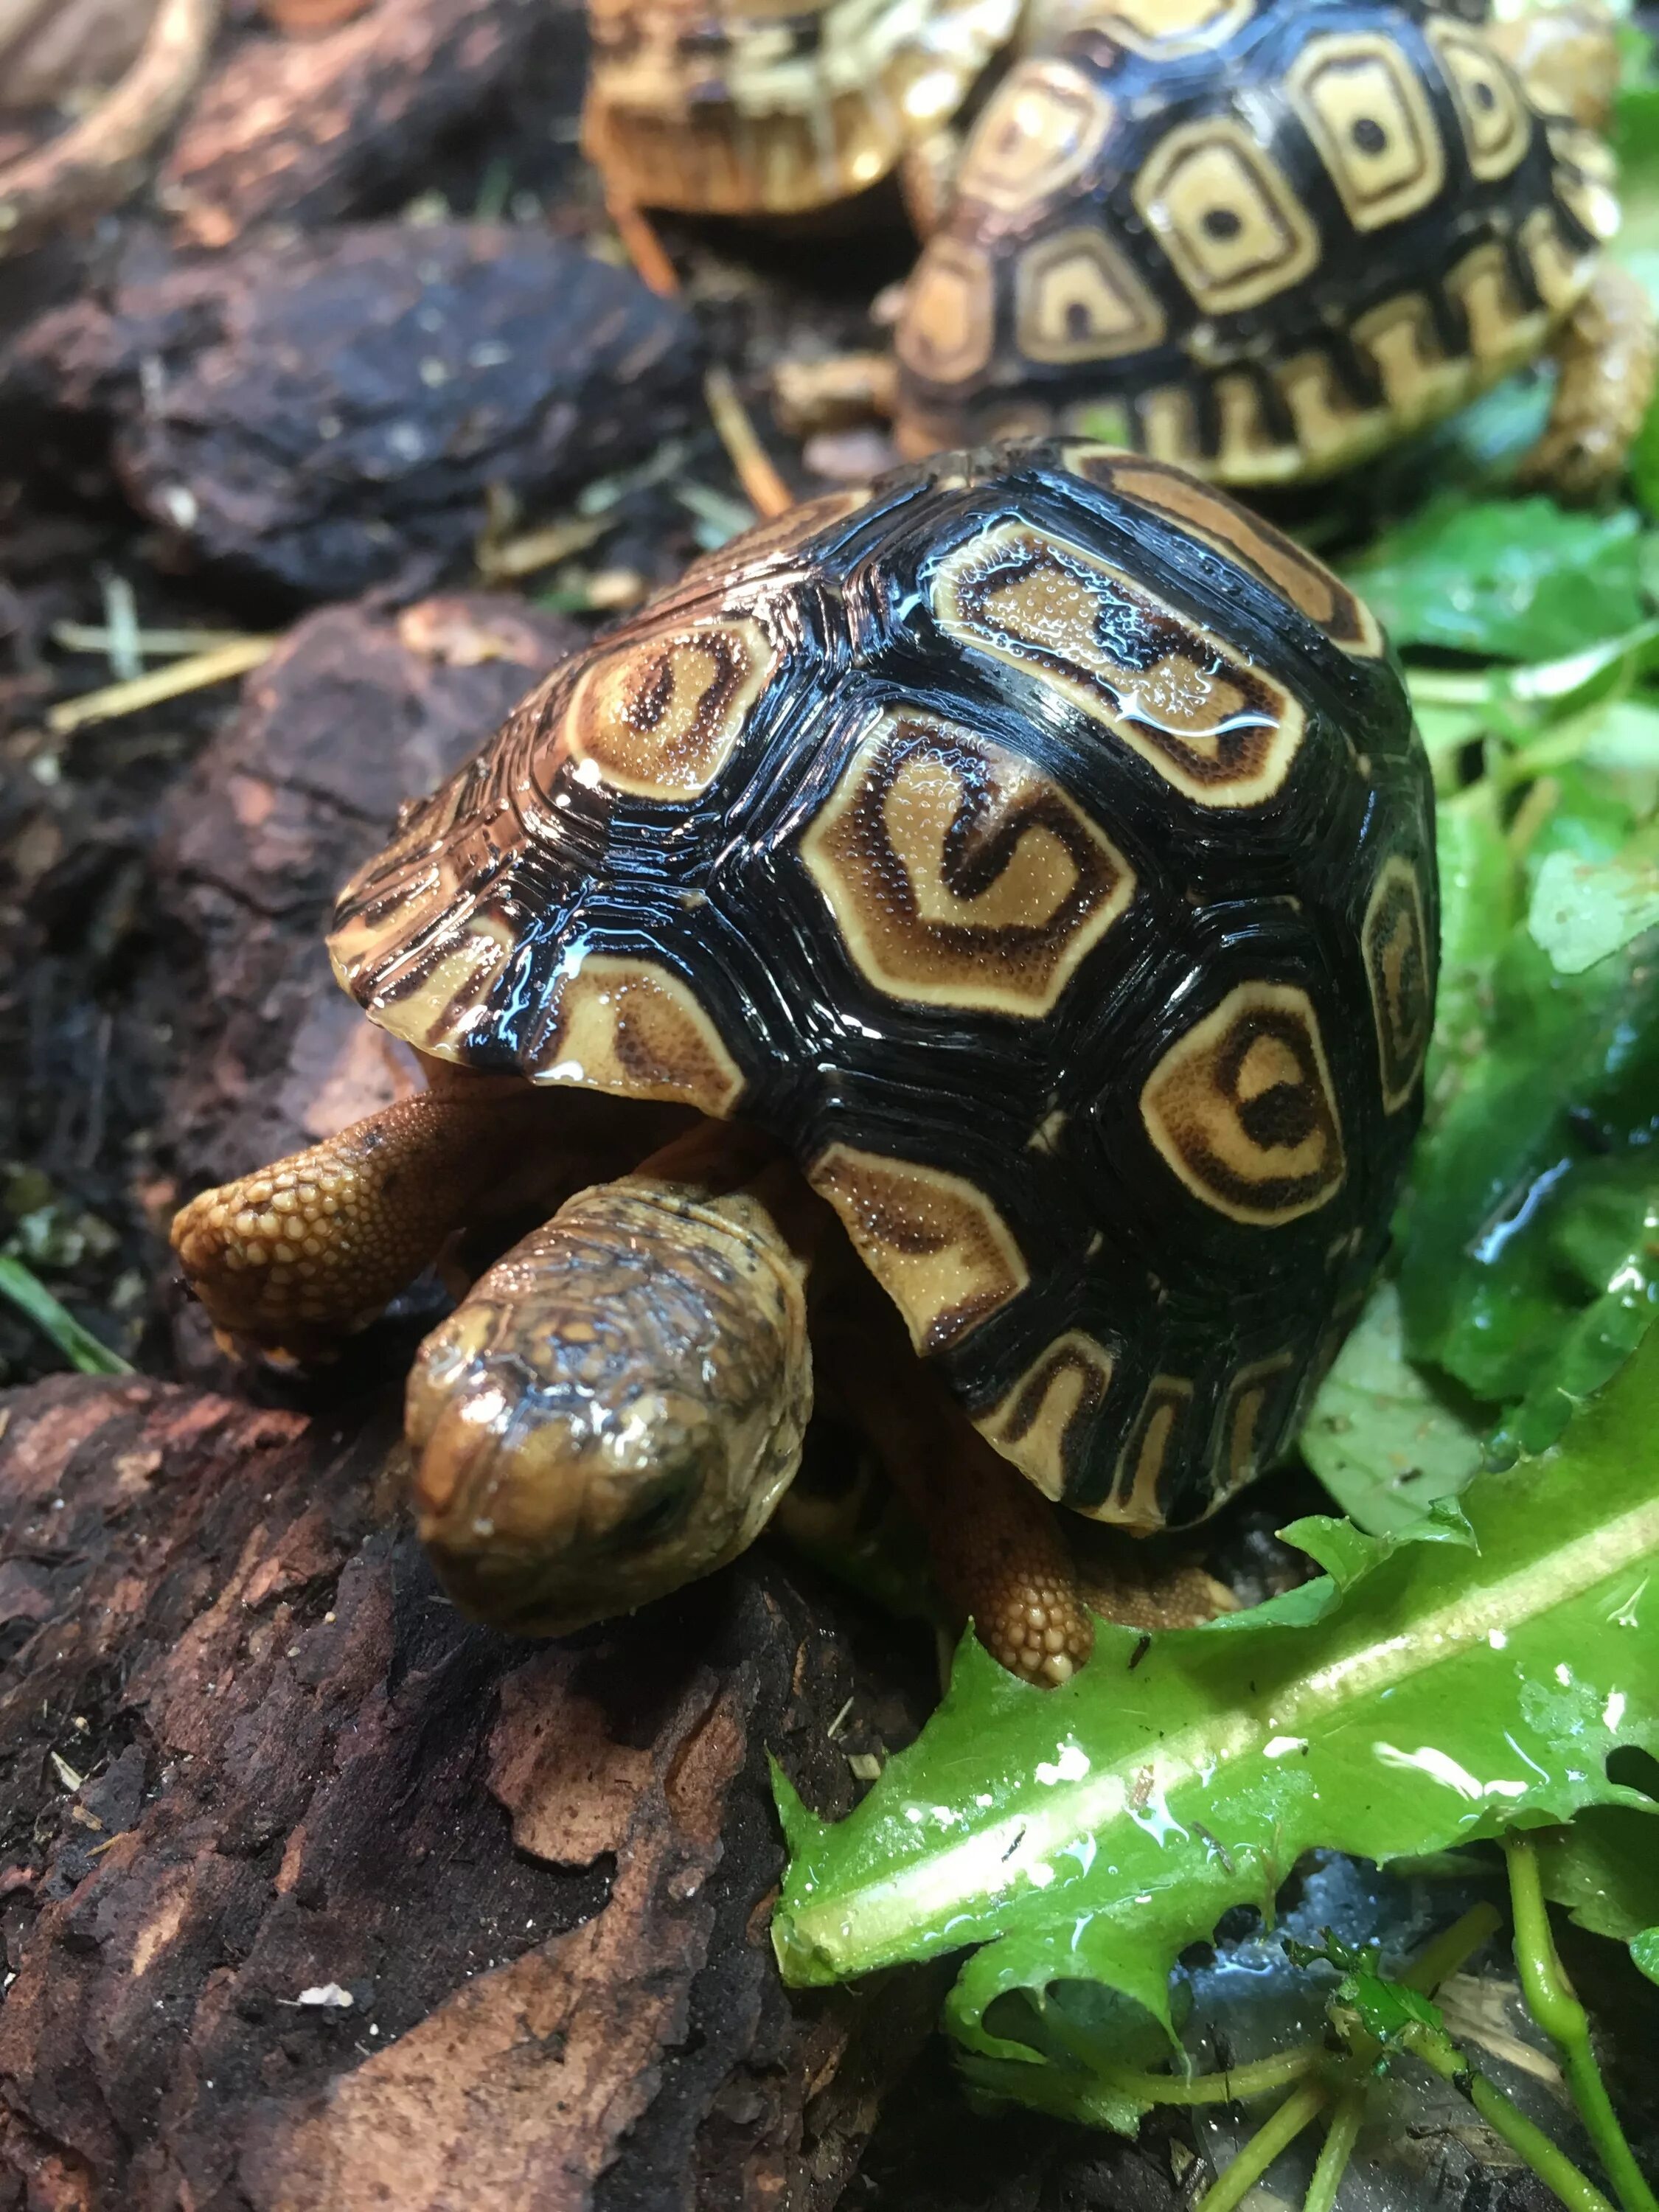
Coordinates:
1016 877
737 108
1262 239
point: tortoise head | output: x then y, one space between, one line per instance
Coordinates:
614 1409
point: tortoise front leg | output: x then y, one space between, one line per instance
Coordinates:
1609 355
297 1256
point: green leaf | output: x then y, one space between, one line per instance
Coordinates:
1380 1439
1509 580
1605 1870
1645 1949
1583 912
1548 1129
25 1290
1426 1695
1388 2010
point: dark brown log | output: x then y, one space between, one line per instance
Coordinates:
312 130
318 415
358 710
315 1895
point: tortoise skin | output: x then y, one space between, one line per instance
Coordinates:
1041 848
1261 243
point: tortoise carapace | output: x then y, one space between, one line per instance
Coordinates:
1262 239
1032 855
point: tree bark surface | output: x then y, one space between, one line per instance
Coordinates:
315 1894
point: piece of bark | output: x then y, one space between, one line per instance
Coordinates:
326 414
356 711
310 131
315 1894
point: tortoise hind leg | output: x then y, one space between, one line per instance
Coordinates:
1608 356
299 1254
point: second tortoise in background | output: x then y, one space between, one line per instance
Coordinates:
1264 239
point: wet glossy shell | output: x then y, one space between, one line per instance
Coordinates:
1042 847
749 110
1259 238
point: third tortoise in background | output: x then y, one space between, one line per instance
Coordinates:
1264 237
1034 855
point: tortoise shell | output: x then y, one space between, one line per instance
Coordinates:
1257 238
758 110
1041 847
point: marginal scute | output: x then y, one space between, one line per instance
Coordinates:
1495 122
1420 383
949 324
1247 1436
1217 729
1332 427
932 1240
635 1028
1077 297
1221 522
1503 332
1044 1422
1560 276
958 875
1395 937
434 997
1228 217
1138 1498
1243 1108
1365 108
659 718
1039 134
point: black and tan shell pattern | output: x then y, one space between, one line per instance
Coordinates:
1042 847
1260 238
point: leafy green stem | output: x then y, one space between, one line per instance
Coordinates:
1258 2154
1547 2160
78 1346
1551 2004
1335 2151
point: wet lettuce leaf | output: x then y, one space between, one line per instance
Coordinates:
1507 580
1584 911
1427 1691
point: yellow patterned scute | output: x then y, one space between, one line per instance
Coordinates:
1312 588
958 875
1496 121
1226 215
659 719
949 328
1043 1424
1077 297
1217 729
1367 112
634 1029
932 1240
1243 1107
1395 941
1041 133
